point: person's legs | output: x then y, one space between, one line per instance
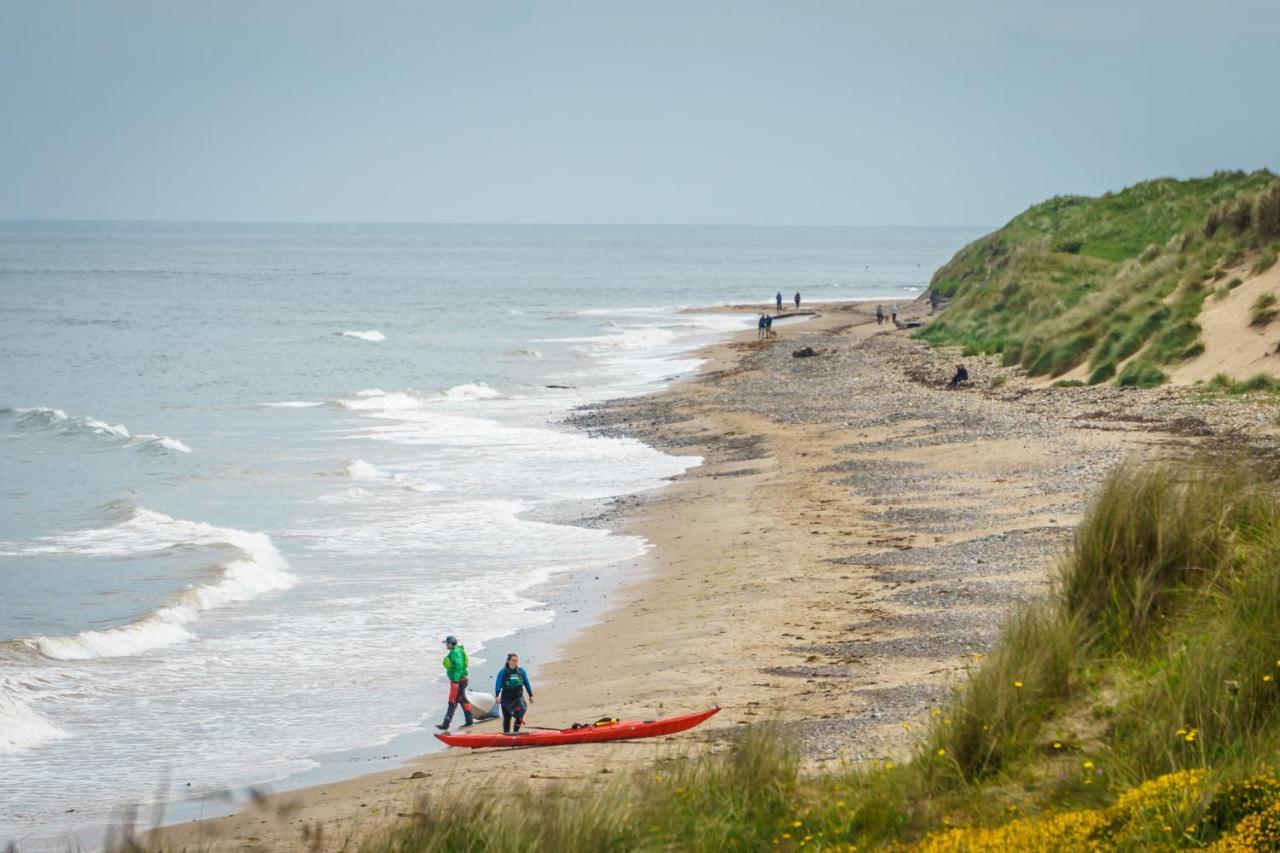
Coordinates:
518 710
465 702
506 717
454 690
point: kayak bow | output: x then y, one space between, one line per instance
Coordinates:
621 730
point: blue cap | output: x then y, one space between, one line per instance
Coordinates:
450 639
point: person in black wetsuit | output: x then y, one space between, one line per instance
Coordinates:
510 687
962 375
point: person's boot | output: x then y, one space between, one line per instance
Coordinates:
470 720
448 718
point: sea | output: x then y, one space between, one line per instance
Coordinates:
251 475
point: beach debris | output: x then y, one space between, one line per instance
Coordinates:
805 352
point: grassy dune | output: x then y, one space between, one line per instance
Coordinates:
1114 283
1138 707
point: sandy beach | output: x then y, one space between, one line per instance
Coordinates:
852 540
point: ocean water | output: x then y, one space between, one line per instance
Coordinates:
251 475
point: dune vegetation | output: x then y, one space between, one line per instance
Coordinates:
1137 707
1113 284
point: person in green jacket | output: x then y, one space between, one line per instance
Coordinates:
455 666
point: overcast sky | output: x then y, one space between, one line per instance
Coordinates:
782 112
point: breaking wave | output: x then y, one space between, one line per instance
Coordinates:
373 336
361 470
21 728
59 420
258 569
471 391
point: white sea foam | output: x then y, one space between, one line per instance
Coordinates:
654 310
525 352
471 391
373 335
60 420
21 727
361 470
293 404
158 442
375 400
40 415
259 569
103 428
626 339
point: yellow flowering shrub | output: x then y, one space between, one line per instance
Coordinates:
1257 832
1168 812
1237 800
1061 831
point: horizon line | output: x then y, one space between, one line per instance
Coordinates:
442 223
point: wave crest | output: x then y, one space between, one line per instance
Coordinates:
361 470
259 569
373 335
21 728
59 420
471 391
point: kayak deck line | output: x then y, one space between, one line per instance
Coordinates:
621 730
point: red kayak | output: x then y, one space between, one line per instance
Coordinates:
589 733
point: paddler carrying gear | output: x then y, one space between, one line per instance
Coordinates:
455 666
510 687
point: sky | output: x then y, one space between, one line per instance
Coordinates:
915 112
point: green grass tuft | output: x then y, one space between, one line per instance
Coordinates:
1263 310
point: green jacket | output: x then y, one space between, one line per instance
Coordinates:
455 663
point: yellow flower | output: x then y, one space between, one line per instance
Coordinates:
797 823
786 835
839 804
888 765
1057 744
942 752
1017 684
1088 765
907 726
1266 678
986 728
935 713
978 656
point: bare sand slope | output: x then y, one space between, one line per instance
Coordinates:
1231 345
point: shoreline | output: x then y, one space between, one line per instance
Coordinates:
854 536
